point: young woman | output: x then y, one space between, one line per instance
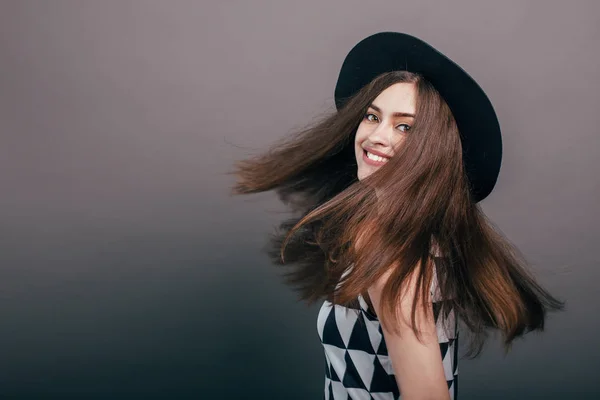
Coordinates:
387 227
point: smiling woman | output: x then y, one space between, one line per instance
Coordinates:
390 235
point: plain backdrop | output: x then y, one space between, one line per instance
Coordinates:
128 271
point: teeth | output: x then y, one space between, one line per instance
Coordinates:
376 158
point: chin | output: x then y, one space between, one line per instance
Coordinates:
361 174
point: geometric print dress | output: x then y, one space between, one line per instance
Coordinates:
357 366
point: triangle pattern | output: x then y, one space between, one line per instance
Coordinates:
337 359
386 363
331 332
327 368
359 338
351 376
322 317
345 319
334 375
374 336
382 349
437 306
447 363
338 391
444 349
357 393
395 388
383 396
381 380
366 361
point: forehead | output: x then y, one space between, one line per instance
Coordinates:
399 97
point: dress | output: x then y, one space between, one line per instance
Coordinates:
357 366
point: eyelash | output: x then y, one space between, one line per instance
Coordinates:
367 115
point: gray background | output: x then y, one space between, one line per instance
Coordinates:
127 270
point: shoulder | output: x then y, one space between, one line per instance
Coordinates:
416 358
406 298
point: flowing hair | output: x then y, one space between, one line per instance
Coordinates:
414 207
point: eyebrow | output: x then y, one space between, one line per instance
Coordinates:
396 114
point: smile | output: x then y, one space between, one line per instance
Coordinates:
373 159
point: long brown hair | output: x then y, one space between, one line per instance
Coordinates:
415 205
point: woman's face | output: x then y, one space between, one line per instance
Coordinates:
384 126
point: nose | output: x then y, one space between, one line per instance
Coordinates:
382 135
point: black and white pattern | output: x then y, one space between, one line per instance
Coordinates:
357 366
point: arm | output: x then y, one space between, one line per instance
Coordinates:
417 366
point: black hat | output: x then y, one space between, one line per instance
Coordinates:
472 110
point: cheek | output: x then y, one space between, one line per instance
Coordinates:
360 136
398 142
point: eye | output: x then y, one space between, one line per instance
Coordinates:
368 115
406 127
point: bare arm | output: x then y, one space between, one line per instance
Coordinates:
417 366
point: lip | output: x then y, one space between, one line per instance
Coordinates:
374 163
377 153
